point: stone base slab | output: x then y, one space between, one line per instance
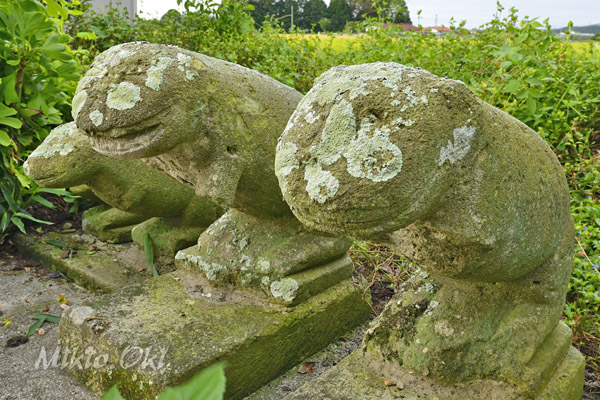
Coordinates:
359 377
105 269
162 332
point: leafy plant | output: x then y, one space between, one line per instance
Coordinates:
209 384
38 74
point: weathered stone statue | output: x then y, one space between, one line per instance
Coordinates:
212 125
135 191
475 198
259 290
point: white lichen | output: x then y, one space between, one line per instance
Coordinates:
320 185
123 96
191 261
185 64
264 266
96 117
456 151
403 122
339 129
286 160
371 155
61 141
156 72
285 289
78 102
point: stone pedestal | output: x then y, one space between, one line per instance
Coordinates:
556 372
160 333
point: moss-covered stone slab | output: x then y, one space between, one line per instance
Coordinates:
104 269
556 373
183 329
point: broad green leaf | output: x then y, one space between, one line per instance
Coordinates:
113 394
53 9
5 221
57 243
533 81
5 140
18 223
31 218
209 384
512 86
531 105
8 89
34 328
12 122
86 35
55 319
6 111
8 196
43 201
60 192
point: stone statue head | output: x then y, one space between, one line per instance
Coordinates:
64 159
365 153
141 97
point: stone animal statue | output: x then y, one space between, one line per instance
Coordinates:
212 125
469 194
135 191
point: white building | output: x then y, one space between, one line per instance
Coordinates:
129 5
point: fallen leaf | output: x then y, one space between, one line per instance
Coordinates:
65 254
27 269
141 269
41 332
46 309
389 383
307 368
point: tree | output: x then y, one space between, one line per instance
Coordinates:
393 11
339 13
362 9
262 8
324 24
312 13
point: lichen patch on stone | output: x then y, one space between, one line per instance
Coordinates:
155 73
59 142
185 65
123 96
78 102
320 185
462 144
285 289
371 155
96 117
340 128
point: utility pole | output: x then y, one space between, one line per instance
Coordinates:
292 26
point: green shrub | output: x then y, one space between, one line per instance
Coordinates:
38 72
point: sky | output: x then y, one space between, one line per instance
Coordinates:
475 12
